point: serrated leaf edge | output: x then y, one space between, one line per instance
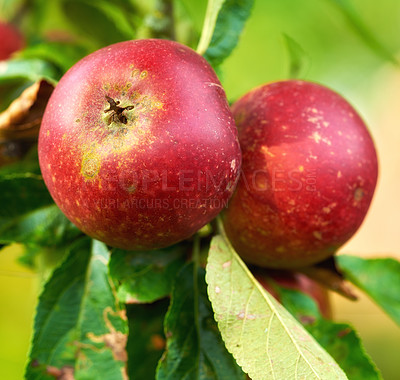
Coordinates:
269 301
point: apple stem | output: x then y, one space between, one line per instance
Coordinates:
328 278
117 112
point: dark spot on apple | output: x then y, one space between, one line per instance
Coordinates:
131 189
358 194
90 165
116 111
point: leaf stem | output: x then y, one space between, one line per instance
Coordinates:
221 229
213 8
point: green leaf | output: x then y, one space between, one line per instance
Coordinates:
363 31
194 346
43 259
46 226
146 339
339 339
11 91
8 8
228 28
266 341
62 55
146 276
298 59
29 69
379 278
345 346
22 193
210 20
79 326
103 22
29 164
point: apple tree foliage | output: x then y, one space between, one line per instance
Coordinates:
190 311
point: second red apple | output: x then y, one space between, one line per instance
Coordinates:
308 176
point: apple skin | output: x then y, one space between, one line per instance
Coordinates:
152 174
11 40
308 175
296 281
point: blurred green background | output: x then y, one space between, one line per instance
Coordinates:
335 55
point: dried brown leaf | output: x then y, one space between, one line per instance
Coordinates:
115 340
21 120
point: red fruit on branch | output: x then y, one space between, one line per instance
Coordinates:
138 146
11 40
309 174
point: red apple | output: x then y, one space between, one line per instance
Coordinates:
11 40
309 173
296 281
138 146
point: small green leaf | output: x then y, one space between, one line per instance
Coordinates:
29 164
362 30
210 20
22 193
266 341
79 326
44 259
379 278
29 69
103 22
298 59
194 346
8 8
345 346
339 339
11 91
62 55
22 188
46 226
146 341
228 28
146 276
